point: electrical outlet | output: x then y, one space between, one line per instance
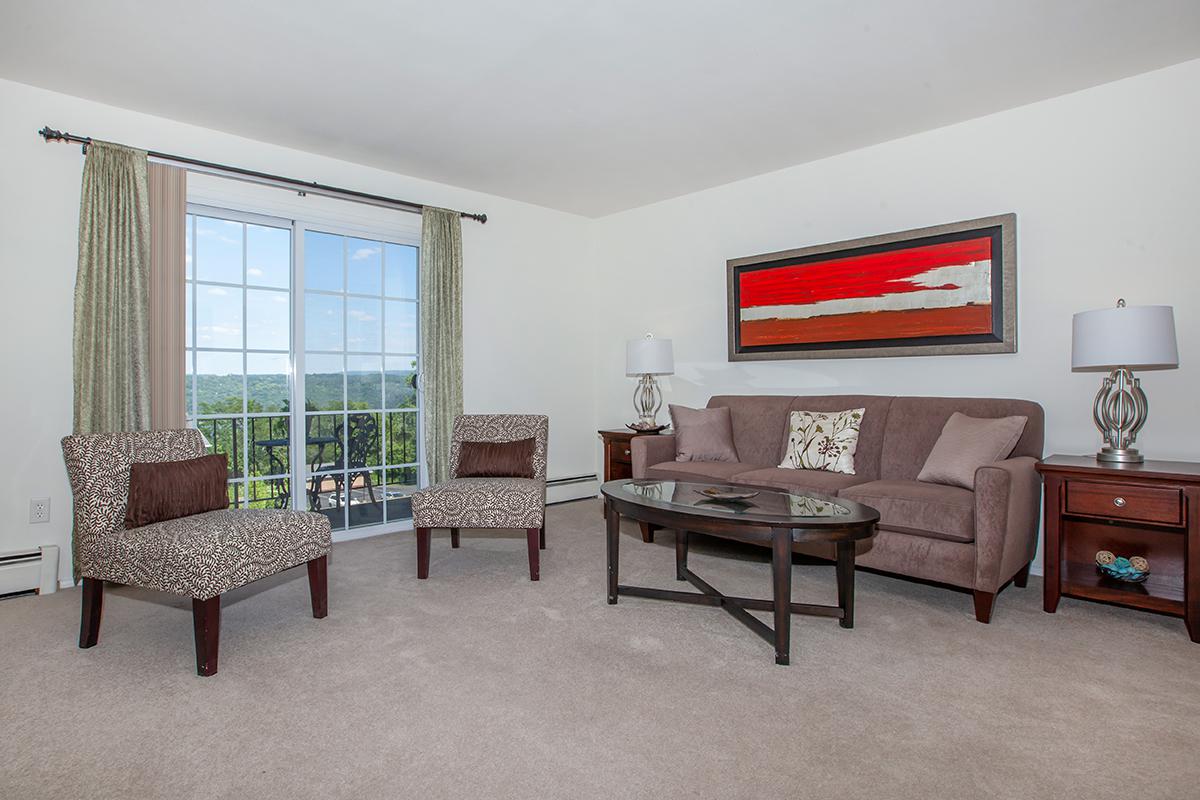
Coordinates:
39 509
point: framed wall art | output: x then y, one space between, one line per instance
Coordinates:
945 290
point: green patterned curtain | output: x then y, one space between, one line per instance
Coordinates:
112 293
441 334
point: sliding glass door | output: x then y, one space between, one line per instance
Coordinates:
301 353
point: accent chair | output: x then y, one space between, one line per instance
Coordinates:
201 556
487 502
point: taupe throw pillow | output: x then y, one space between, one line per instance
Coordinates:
968 443
703 434
165 490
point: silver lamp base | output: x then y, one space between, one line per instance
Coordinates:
647 400
1120 411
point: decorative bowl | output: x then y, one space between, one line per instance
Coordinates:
1129 570
726 494
654 429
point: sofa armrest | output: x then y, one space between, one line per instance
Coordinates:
650 450
1008 499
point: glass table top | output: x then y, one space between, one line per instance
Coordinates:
764 504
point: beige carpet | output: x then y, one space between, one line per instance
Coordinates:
480 684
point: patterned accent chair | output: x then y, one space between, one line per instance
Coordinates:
201 556
487 502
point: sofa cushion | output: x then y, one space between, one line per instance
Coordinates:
698 471
799 480
930 509
207 554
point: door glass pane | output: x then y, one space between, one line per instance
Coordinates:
218 316
268 320
267 382
366 495
362 440
399 382
400 326
323 321
400 271
323 259
218 383
364 388
268 256
363 266
363 325
218 250
401 437
323 382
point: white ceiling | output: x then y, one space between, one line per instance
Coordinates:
589 106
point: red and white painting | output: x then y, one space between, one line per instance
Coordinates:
915 292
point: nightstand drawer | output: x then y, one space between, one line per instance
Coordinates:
621 451
1123 501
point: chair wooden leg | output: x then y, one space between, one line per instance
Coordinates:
89 618
206 620
318 586
531 535
983 605
1021 579
454 537
423 535
542 537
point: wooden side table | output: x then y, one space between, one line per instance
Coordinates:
1150 509
618 463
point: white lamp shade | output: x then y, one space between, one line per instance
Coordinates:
1137 337
649 356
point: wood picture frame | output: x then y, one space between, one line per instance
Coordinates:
942 290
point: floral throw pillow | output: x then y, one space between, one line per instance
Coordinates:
823 440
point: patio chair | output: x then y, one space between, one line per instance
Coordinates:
473 502
200 556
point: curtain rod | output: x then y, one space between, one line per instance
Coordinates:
265 178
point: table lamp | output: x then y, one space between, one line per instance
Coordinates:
644 359
1118 341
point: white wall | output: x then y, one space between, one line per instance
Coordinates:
526 327
1105 184
1106 187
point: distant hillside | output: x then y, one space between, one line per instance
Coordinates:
222 394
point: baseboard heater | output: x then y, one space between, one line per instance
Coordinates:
564 490
28 571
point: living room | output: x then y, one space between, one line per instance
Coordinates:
624 155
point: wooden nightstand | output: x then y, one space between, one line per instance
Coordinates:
1150 509
618 463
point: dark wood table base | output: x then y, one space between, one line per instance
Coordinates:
781 572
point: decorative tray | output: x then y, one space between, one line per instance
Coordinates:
726 494
655 429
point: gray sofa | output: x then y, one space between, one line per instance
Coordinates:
978 540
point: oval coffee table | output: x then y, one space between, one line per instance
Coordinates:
773 517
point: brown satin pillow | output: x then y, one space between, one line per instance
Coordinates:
495 459
165 490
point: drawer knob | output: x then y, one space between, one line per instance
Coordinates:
1119 502
627 453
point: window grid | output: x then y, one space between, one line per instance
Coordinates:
393 474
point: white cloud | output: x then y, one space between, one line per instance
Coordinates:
363 253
